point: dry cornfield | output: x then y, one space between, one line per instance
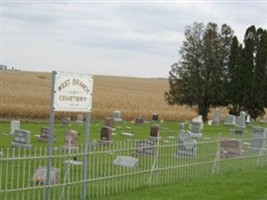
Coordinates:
27 95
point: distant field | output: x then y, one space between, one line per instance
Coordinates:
27 95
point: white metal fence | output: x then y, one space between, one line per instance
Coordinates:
162 161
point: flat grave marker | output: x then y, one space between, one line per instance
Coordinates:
39 176
125 161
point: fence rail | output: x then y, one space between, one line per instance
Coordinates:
122 166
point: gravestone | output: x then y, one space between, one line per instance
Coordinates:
248 119
230 148
80 119
155 117
15 125
65 121
187 146
39 176
259 139
109 121
195 131
140 120
44 135
125 161
181 126
241 120
106 134
263 121
230 120
71 141
145 148
154 131
117 116
217 117
199 119
22 138
73 162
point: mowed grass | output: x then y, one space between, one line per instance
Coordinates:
187 182
242 185
27 95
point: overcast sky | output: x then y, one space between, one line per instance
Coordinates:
125 38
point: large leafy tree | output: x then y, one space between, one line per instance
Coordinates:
198 79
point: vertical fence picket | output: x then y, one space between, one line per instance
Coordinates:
106 178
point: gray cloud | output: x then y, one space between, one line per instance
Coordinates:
143 37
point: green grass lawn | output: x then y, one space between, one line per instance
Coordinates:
186 178
242 185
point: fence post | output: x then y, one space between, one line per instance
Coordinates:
85 156
50 137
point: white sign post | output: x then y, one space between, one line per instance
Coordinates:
71 92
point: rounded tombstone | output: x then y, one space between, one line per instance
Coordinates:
155 117
106 133
117 115
154 130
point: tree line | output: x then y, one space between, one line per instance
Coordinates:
215 69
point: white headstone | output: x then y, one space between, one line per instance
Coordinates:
15 125
117 116
248 119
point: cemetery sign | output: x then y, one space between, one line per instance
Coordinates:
73 92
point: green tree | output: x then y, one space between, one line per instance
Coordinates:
198 79
235 80
258 85
247 73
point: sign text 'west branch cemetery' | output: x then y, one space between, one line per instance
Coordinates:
73 92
